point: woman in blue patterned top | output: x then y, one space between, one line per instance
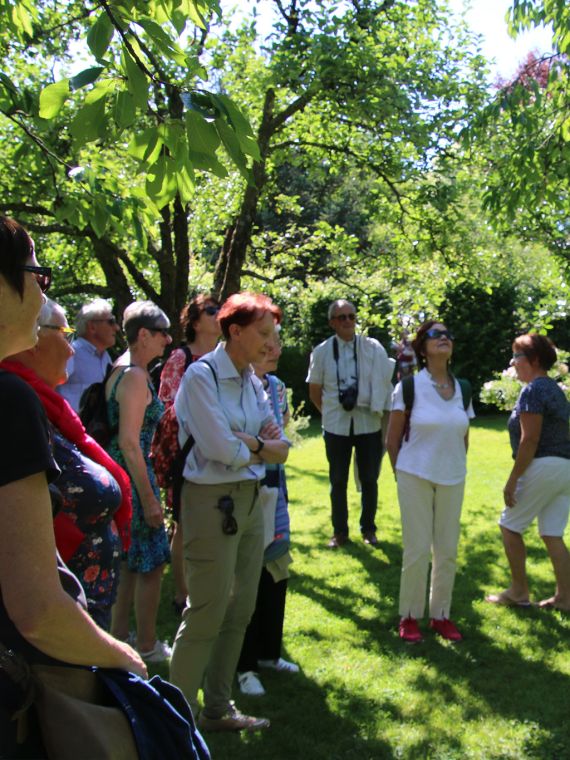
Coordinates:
135 410
539 483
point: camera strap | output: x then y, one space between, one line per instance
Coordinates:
336 358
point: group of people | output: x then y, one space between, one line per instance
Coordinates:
100 514
427 438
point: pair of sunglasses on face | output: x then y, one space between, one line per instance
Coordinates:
345 317
42 275
436 333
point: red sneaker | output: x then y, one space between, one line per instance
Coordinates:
409 630
446 629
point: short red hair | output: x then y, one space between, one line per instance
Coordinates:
244 308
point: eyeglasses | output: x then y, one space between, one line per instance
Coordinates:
108 320
345 317
164 330
211 310
436 333
518 355
42 275
67 331
226 507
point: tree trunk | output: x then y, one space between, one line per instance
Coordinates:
227 277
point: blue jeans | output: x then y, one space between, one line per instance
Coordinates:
368 447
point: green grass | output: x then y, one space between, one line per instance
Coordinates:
504 692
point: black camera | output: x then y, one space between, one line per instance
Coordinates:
347 397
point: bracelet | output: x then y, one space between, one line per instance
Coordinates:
261 443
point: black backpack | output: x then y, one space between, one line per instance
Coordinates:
93 411
408 393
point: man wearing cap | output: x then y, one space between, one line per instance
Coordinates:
96 329
350 384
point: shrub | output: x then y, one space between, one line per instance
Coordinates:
503 391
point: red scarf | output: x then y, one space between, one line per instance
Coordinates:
68 537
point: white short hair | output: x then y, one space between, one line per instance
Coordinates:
97 309
338 304
48 310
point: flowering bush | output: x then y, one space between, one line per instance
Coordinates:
504 390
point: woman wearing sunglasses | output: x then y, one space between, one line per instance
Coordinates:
134 410
222 404
427 446
43 613
201 333
539 483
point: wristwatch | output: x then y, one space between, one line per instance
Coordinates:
261 443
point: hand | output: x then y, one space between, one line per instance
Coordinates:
509 492
134 662
153 515
270 430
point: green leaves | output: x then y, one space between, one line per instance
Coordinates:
100 35
52 98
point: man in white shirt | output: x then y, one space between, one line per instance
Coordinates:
350 384
96 329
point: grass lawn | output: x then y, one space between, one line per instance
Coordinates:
504 692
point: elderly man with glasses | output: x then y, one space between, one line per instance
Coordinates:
96 330
350 384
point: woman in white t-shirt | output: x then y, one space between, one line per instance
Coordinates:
427 449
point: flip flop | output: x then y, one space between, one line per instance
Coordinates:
546 604
506 600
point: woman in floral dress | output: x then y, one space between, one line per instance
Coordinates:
134 410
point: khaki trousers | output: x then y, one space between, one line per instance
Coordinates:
430 526
222 574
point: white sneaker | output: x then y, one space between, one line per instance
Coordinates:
250 684
283 665
159 653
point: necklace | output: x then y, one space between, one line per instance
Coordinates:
440 385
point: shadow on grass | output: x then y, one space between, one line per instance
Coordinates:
321 730
479 667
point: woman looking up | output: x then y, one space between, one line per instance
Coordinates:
429 462
201 333
539 483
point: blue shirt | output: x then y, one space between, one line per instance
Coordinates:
86 367
543 396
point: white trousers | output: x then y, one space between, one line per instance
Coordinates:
430 526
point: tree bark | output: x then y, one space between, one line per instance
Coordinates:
227 277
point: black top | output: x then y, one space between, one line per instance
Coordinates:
25 450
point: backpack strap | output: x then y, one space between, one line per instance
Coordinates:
466 391
272 385
408 393
189 442
187 356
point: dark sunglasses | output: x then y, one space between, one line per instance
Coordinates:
344 317
211 310
229 524
108 320
164 330
42 275
435 333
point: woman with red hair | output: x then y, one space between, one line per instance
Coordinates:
222 405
